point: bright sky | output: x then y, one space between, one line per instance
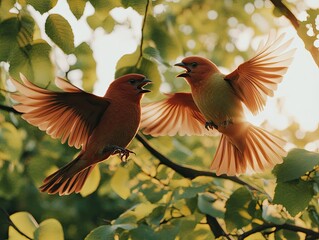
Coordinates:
299 91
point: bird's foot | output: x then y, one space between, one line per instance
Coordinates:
122 152
210 125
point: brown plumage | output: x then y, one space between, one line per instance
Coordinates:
215 102
102 126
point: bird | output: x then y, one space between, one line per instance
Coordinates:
215 105
100 126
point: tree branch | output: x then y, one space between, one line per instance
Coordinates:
309 45
186 172
142 33
286 12
310 233
215 227
8 109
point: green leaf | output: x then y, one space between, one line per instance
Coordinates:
296 164
152 192
273 213
42 68
137 5
143 232
164 38
128 220
25 223
198 232
286 234
5 6
151 71
152 54
187 225
86 63
19 63
209 204
33 61
237 213
60 31
11 182
8 37
42 6
277 12
25 35
128 60
38 169
102 5
91 183
188 192
144 209
49 229
156 216
168 231
103 20
294 195
10 142
77 7
120 182
105 232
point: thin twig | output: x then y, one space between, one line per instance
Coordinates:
309 45
186 172
142 33
310 233
8 109
286 12
4 90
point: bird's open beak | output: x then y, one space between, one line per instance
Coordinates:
183 65
143 83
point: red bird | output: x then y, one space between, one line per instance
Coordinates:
102 126
216 102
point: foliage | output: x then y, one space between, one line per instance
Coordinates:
147 198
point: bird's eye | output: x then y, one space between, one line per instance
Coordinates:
194 64
132 81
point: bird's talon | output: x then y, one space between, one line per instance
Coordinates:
123 153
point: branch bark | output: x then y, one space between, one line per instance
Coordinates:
309 45
286 12
186 172
8 109
310 233
215 227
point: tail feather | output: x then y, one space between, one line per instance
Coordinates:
68 179
261 150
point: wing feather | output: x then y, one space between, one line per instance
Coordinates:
69 115
258 78
177 114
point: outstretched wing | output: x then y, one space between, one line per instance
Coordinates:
177 114
72 114
257 78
